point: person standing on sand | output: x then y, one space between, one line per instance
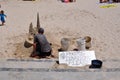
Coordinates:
41 46
2 17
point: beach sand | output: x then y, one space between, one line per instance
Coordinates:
60 20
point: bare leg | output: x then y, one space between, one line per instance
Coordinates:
3 23
34 51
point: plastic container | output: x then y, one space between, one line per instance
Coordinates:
81 44
65 42
88 42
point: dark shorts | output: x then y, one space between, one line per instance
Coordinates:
40 53
3 20
43 54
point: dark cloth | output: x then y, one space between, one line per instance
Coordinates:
43 54
43 47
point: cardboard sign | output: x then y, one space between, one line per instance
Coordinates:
76 58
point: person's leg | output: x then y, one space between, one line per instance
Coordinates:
34 47
3 22
36 50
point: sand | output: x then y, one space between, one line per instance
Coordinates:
60 20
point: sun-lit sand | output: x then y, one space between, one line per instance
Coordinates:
70 20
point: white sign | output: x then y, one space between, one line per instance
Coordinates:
76 58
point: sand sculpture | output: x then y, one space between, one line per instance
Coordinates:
32 31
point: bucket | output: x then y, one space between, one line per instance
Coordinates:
65 42
87 42
81 44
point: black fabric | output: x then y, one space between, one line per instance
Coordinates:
96 64
43 54
38 48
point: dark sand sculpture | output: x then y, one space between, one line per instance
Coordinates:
32 31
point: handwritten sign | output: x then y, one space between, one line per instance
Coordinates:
76 58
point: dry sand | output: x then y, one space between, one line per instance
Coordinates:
72 20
